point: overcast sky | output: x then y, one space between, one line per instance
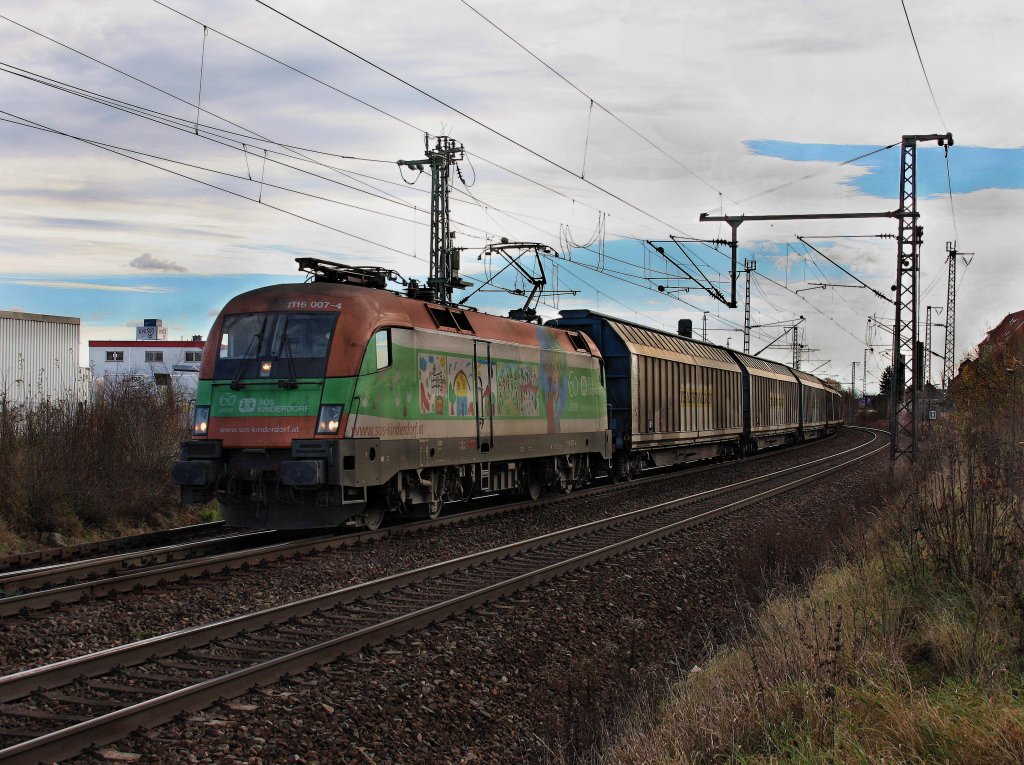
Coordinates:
739 107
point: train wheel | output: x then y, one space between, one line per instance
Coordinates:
373 518
433 508
533 484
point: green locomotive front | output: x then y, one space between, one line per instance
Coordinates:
331 402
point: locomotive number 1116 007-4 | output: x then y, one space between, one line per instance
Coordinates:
316 305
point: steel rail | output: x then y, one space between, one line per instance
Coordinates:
113 725
149 575
102 546
55 574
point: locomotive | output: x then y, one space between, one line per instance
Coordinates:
338 401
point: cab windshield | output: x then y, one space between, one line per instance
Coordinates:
274 344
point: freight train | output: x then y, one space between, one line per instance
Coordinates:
338 401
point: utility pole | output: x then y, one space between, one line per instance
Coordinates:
796 348
444 258
904 419
853 381
748 266
704 329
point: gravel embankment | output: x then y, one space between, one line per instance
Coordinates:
536 678
46 636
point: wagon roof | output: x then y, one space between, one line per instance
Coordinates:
653 342
764 365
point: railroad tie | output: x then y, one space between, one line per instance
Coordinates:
39 714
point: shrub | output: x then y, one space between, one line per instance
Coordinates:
71 467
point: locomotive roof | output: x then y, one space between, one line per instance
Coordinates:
365 310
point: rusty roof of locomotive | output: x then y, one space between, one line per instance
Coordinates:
364 310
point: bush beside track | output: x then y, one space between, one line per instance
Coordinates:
89 469
909 648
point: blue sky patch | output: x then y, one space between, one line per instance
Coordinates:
189 301
972 168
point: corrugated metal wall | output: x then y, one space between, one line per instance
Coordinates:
672 397
38 357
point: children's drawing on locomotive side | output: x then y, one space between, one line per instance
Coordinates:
460 393
554 378
433 383
518 390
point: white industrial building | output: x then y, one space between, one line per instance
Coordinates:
39 358
150 358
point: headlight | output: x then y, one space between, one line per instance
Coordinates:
329 420
201 423
265 368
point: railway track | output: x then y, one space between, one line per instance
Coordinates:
102 547
55 711
68 582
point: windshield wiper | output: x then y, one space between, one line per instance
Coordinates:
292 381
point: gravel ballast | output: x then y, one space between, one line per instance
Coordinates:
75 629
534 678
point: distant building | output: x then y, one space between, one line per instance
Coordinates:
1003 346
150 358
1009 334
39 358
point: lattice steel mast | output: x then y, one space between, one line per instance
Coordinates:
903 422
748 266
928 345
444 258
949 355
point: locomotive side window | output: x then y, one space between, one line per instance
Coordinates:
382 341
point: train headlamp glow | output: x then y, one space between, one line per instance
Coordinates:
329 420
201 423
265 368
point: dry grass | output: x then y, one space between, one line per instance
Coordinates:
86 468
909 650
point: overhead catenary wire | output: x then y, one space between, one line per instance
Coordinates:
949 189
920 60
817 310
802 178
381 111
250 134
594 102
846 271
460 112
25 122
225 137
180 124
